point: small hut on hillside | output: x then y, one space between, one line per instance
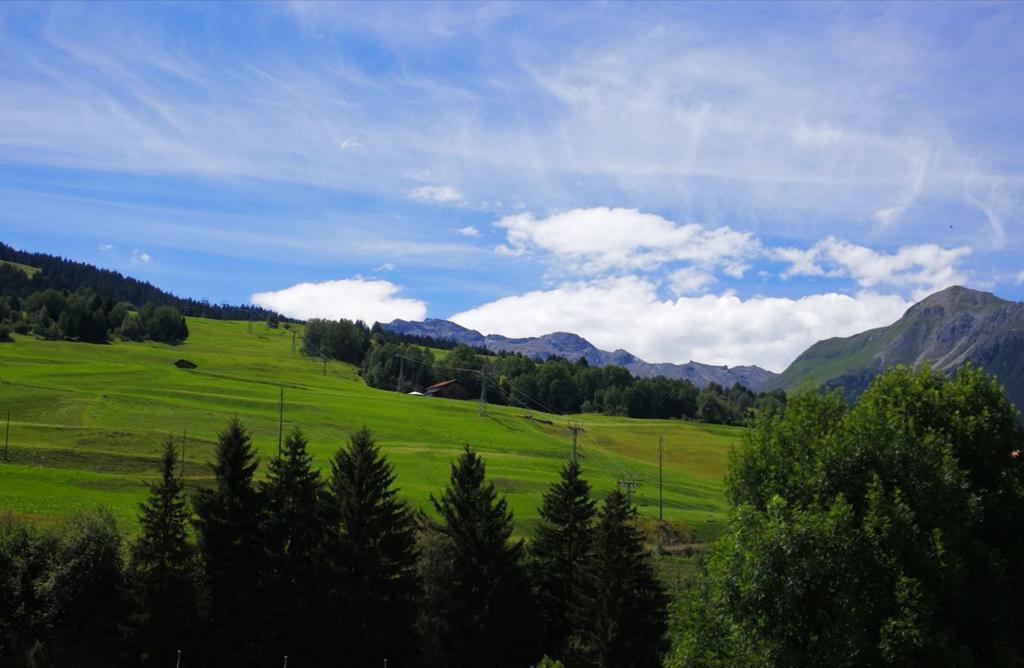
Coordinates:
449 389
185 364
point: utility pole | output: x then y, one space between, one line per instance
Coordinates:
184 438
250 328
280 421
7 437
575 428
661 504
178 663
401 373
293 342
483 394
325 364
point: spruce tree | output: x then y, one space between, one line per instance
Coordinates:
291 532
370 553
163 569
558 553
478 606
228 521
619 607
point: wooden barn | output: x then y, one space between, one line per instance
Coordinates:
449 389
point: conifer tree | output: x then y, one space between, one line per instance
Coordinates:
228 521
370 551
163 568
478 605
558 553
291 532
619 608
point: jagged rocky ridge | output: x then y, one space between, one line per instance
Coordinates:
573 347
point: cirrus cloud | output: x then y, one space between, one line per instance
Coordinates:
351 298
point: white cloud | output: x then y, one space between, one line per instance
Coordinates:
591 241
387 266
926 267
105 247
348 143
436 194
352 298
626 312
468 231
140 257
689 280
1020 278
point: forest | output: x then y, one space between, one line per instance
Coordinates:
332 570
402 363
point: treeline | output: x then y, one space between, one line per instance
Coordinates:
554 384
83 315
68 276
332 571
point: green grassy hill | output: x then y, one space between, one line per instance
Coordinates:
88 421
30 271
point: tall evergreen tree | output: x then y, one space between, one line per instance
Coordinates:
228 522
370 552
478 605
619 609
291 533
558 553
163 569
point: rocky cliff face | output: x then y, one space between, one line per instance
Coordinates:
573 347
947 329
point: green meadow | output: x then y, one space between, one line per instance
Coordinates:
88 421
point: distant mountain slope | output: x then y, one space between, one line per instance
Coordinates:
573 347
22 273
948 328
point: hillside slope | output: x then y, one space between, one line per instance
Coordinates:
88 423
947 329
573 347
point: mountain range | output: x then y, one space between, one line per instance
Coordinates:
573 347
947 329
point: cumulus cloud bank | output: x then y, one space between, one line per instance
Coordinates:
350 298
724 329
598 239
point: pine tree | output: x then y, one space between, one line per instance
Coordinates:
163 568
558 553
291 532
478 605
228 521
619 609
370 551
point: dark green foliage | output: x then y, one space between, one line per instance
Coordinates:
228 523
25 554
163 570
478 606
558 552
619 607
291 532
162 323
61 275
370 556
82 594
130 329
386 362
340 340
890 533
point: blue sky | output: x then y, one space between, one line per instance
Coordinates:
726 183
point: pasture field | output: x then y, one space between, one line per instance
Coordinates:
88 422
